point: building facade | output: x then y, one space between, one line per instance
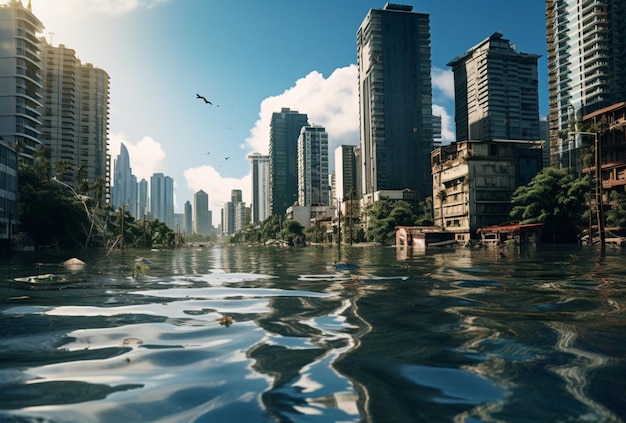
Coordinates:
21 68
284 132
496 90
313 188
395 100
473 182
260 172
188 218
125 185
162 199
201 223
75 120
586 62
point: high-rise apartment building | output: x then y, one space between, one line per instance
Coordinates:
496 91
586 62
142 198
22 78
260 172
75 118
284 132
20 104
94 125
162 198
313 189
395 100
234 214
346 173
201 213
125 184
188 218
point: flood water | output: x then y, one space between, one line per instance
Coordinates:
270 334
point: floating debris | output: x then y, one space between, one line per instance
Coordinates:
225 320
73 262
132 341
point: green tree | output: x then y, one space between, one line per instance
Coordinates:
293 233
383 217
556 198
316 232
50 213
616 214
270 228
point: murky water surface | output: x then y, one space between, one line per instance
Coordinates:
253 334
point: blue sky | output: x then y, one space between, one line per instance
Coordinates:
250 58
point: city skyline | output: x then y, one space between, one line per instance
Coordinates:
160 54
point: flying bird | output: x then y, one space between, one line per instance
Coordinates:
203 98
227 158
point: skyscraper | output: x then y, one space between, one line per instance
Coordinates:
260 171
125 184
496 90
313 166
75 118
21 68
201 213
234 214
586 62
162 198
395 100
188 218
345 172
284 132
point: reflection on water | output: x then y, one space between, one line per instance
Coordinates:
272 334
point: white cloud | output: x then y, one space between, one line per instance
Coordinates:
330 102
443 84
146 156
78 8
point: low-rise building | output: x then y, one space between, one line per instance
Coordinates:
473 182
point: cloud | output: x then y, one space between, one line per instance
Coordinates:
443 84
331 102
78 8
219 188
146 156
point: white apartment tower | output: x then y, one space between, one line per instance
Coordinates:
586 62
22 78
75 119
260 171
313 187
496 92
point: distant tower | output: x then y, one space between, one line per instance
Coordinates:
313 166
142 199
188 218
162 198
284 133
201 212
496 92
260 171
234 214
345 173
395 100
125 184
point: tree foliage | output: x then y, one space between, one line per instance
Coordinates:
383 217
616 214
556 198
